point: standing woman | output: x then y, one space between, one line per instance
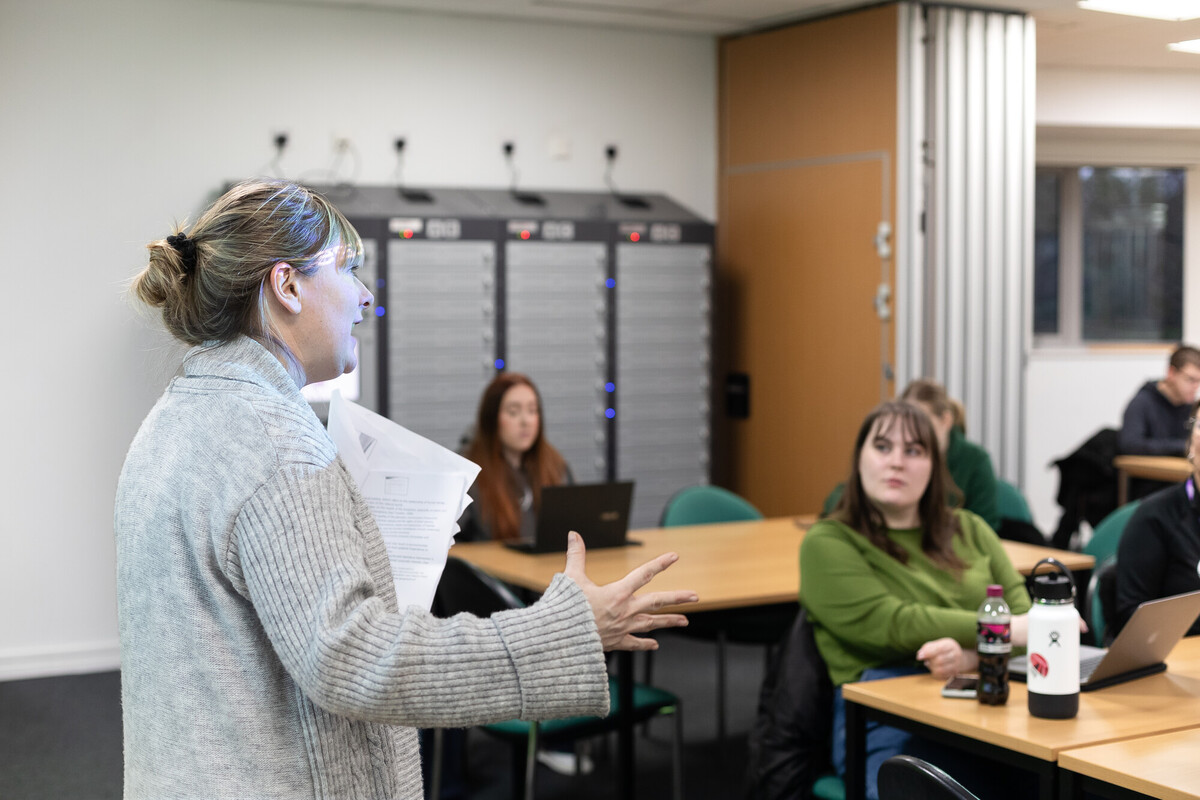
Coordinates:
893 579
262 650
516 461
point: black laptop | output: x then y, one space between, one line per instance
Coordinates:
1139 649
599 512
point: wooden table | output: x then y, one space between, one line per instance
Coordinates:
730 565
1156 704
1163 766
1155 468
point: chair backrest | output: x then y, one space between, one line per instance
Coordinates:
466 588
1010 503
1101 601
909 778
1107 535
700 505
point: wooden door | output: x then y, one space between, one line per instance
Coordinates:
808 130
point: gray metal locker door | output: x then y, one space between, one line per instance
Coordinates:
662 372
556 334
441 334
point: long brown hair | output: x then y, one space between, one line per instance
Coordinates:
938 522
542 464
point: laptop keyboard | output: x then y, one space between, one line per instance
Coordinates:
1088 664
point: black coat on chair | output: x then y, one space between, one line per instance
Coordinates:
788 748
1087 485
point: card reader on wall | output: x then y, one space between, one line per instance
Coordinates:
737 395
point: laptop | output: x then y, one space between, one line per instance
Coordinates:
599 512
1139 649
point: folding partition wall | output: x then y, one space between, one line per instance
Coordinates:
875 190
966 173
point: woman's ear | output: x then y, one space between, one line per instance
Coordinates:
284 286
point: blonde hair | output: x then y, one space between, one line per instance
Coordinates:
933 394
218 295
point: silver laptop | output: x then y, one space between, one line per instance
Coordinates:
1139 649
598 511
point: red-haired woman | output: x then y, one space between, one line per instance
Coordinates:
510 445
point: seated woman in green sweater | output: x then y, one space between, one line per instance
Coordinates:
969 465
893 579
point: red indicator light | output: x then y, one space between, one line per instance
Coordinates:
408 233
524 234
635 237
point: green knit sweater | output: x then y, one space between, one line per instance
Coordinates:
970 468
869 610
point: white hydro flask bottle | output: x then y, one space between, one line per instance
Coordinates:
1053 674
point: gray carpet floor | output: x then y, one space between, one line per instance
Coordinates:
60 738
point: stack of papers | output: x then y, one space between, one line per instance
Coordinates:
416 490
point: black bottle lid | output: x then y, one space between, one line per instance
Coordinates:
1053 586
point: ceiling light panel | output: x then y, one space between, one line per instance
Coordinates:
1173 10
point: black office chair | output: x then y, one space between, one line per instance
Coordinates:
909 778
466 588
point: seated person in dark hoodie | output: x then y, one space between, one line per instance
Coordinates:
1156 419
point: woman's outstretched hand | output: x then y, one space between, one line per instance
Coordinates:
619 614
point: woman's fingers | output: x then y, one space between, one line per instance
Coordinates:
656 600
640 576
576 559
619 611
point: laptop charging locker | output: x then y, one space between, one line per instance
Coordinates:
603 300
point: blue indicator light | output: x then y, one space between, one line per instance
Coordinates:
610 283
499 363
380 311
610 413
380 283
610 387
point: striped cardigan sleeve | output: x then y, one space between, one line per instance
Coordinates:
302 547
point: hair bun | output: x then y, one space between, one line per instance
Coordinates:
187 250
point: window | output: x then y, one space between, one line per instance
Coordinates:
1108 255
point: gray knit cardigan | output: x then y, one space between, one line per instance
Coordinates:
262 651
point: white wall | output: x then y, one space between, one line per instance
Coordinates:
1069 396
1110 98
119 117
1106 117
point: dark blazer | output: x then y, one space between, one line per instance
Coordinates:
1159 553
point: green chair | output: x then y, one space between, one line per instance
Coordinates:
1010 503
466 588
703 505
1107 535
1106 538
829 787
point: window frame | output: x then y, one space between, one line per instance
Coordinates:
1066 149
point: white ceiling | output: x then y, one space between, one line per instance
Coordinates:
1067 36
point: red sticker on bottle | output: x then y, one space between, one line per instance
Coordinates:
1039 663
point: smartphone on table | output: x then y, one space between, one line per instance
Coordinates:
961 686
